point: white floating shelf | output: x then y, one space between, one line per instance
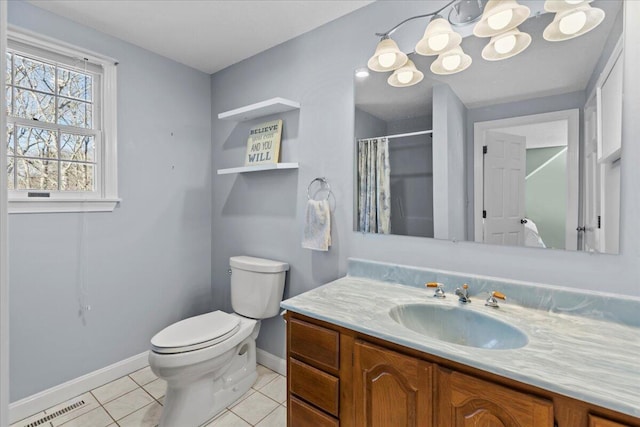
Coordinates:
258 168
260 109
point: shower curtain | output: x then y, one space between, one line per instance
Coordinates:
374 195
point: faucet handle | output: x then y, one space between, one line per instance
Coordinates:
499 295
492 301
439 293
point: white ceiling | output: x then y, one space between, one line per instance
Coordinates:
208 35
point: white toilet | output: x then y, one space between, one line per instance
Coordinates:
209 361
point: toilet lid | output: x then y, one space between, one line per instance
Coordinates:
195 333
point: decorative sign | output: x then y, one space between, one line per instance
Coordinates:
264 143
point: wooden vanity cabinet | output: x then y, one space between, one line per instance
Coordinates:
341 378
601 422
313 385
467 401
390 389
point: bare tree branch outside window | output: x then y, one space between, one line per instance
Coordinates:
50 109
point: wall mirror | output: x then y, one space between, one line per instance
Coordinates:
523 151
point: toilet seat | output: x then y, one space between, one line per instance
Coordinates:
195 333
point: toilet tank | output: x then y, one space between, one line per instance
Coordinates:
257 286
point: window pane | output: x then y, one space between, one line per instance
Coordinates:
77 147
10 173
74 85
8 74
34 74
33 105
35 142
8 92
10 140
37 174
74 113
77 176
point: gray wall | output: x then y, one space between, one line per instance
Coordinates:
411 161
449 118
612 40
143 266
262 214
368 126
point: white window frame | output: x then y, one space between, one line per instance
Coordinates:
105 198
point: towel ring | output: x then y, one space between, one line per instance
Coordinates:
321 180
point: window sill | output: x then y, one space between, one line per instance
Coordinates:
18 206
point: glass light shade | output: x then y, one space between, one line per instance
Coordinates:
566 24
451 62
500 16
561 5
438 42
500 19
387 57
438 37
506 45
407 75
573 22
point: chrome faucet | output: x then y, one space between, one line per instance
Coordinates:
463 293
439 292
492 301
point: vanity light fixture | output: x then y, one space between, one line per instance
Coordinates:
438 37
405 76
387 56
500 16
506 45
451 62
573 22
560 5
497 19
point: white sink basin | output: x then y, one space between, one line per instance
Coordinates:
458 325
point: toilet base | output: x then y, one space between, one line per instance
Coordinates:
196 403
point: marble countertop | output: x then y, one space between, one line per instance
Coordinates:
588 359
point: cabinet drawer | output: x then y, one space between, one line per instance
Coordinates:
315 345
314 386
303 415
601 422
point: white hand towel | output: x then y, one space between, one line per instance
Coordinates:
317 227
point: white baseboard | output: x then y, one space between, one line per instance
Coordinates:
272 362
45 399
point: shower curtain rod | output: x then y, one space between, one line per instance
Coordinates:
402 135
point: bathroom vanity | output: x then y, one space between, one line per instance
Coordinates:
351 364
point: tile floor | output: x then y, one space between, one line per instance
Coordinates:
136 401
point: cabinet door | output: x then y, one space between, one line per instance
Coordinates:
601 422
466 401
391 389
